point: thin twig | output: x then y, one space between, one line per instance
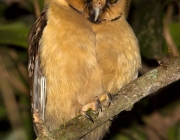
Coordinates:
178 4
37 8
10 102
13 79
171 45
20 66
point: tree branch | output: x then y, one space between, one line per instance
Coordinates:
124 100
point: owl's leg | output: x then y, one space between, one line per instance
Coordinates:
87 116
96 105
107 97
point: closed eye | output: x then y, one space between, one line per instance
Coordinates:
112 1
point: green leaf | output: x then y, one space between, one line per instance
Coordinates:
14 34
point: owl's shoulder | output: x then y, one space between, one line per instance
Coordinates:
63 16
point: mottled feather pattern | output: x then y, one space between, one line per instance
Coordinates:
34 38
35 73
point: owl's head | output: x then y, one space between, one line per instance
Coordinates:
101 10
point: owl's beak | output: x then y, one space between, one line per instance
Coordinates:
96 11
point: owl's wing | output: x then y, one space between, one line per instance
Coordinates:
36 77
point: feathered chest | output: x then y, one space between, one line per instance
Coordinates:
73 59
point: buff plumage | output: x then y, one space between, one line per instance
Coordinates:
80 50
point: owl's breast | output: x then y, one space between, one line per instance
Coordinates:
117 53
68 61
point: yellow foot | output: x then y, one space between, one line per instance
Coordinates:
106 97
96 105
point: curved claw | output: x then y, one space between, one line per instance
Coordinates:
88 117
98 105
109 99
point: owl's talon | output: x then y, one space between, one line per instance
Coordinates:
94 106
87 116
109 99
98 105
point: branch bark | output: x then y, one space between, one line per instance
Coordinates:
124 100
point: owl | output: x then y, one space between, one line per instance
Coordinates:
80 53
